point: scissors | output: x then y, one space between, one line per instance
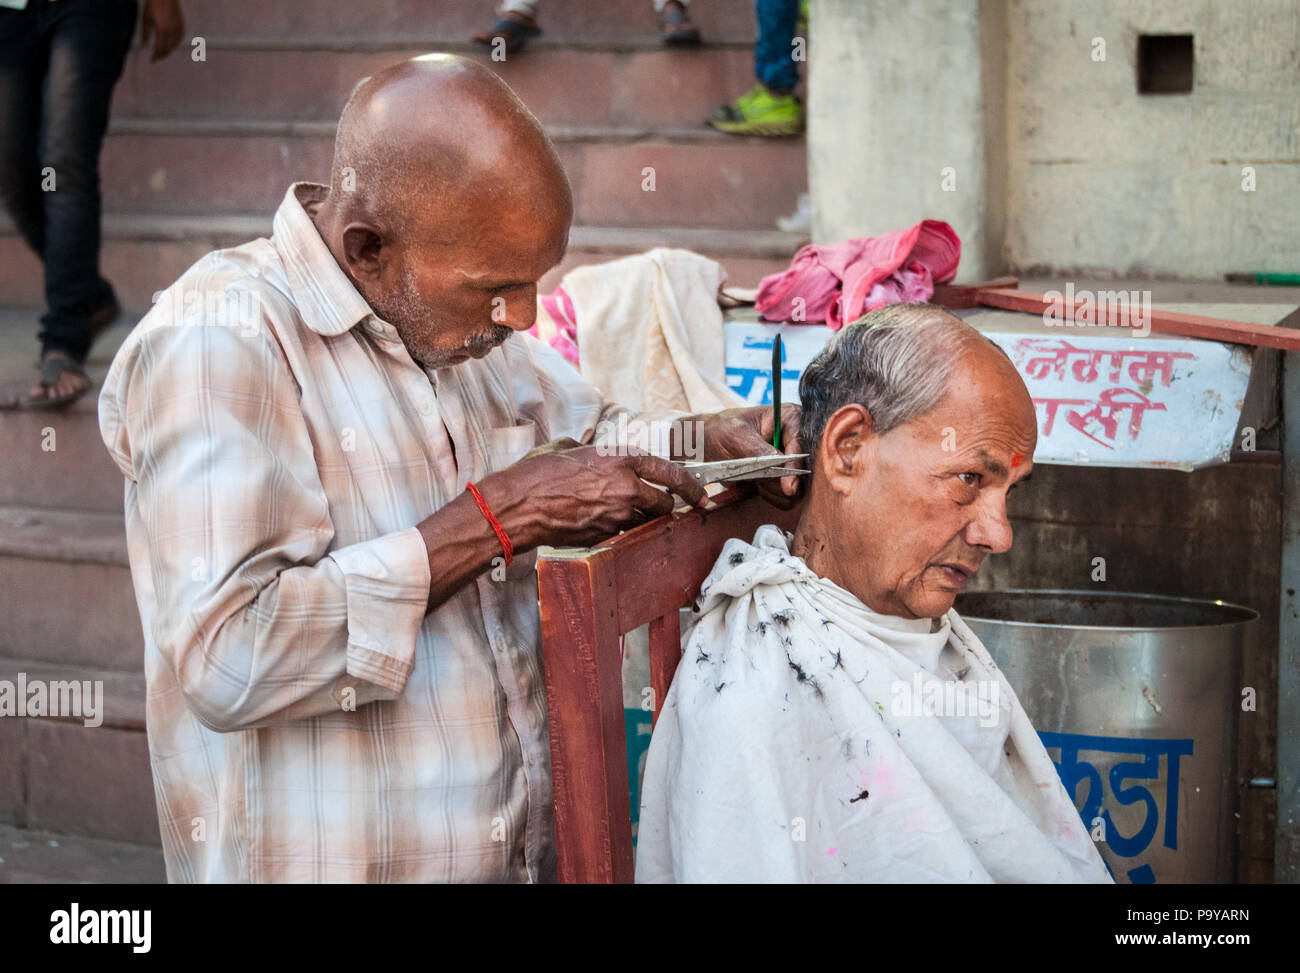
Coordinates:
743 468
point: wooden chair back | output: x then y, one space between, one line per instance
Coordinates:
589 598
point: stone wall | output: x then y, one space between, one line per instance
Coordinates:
1020 122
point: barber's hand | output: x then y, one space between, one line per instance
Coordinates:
163 21
566 494
736 433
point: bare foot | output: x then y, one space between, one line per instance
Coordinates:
69 382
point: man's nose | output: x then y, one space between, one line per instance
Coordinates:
991 530
521 311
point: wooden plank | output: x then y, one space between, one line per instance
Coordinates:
665 653
584 695
1286 840
957 296
1162 322
663 563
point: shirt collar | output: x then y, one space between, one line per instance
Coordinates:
325 298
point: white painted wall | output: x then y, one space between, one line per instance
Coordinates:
1070 169
883 123
1101 177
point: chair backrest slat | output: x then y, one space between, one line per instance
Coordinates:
589 598
665 653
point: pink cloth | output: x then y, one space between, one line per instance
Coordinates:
843 281
557 324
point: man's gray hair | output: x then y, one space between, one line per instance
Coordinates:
895 362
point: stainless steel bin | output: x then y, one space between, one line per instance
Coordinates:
1136 698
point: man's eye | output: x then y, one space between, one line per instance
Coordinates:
973 481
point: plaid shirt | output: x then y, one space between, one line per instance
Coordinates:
307 720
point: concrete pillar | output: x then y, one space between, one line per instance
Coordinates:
905 121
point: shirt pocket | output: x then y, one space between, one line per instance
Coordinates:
509 444
505 446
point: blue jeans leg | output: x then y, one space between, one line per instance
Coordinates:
773 52
22 72
88 41
59 61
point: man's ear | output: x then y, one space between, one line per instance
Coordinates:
844 446
362 245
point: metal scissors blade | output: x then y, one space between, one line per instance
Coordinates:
744 468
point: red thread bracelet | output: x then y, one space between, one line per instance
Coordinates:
506 546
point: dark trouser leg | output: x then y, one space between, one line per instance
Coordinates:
88 41
22 69
773 60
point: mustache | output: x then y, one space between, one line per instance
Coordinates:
489 339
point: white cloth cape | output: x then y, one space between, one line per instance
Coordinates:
786 751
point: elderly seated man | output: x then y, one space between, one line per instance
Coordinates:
832 718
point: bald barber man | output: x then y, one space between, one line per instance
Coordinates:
342 640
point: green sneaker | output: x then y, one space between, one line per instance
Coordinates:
759 112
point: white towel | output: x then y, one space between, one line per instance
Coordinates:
650 331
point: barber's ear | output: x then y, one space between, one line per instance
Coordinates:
844 446
362 245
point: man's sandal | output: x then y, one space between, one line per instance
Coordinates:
513 32
678 31
52 366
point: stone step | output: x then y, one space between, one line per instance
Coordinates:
337 23
85 780
561 86
144 253
687 178
57 459
58 774
30 857
68 598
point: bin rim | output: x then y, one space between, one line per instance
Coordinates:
1253 615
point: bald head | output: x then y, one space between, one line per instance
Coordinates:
439 133
447 204
897 361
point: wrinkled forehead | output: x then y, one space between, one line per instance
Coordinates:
986 402
497 230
